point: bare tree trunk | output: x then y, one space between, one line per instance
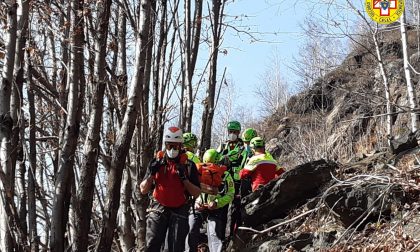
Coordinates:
144 138
193 44
33 234
83 207
158 70
23 211
192 31
139 202
209 104
76 86
6 124
386 85
16 99
145 149
62 84
411 92
126 234
125 134
17 113
127 237
198 13
122 61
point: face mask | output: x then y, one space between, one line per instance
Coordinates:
172 153
232 137
248 149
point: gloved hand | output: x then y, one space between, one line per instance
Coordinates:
154 167
199 207
181 170
212 205
224 161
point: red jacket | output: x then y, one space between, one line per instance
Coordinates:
169 190
262 169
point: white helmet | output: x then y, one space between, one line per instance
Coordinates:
174 135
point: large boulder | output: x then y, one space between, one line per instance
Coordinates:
405 142
355 205
294 188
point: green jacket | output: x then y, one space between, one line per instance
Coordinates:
246 155
234 153
193 157
224 197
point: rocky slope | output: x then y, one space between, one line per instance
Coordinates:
366 196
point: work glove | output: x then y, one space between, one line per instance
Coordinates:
212 205
199 207
225 161
181 171
154 167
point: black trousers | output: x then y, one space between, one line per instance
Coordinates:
235 210
162 220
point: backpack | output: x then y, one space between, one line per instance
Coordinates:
183 159
211 177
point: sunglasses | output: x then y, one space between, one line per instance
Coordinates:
170 146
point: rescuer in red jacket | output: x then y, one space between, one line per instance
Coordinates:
261 167
175 180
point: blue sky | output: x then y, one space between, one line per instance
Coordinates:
276 24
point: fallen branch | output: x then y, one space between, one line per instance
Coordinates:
279 224
393 168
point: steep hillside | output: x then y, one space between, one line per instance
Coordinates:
343 114
345 189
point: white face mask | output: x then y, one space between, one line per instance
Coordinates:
233 137
248 148
172 153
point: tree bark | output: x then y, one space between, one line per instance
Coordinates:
192 43
16 99
386 86
33 233
127 237
125 134
209 104
411 92
76 87
158 70
122 61
6 124
126 225
84 200
17 154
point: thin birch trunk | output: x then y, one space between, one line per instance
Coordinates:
192 42
16 99
126 234
33 231
6 124
209 105
144 138
126 225
76 87
411 92
84 201
16 111
122 61
386 86
159 68
145 149
125 134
